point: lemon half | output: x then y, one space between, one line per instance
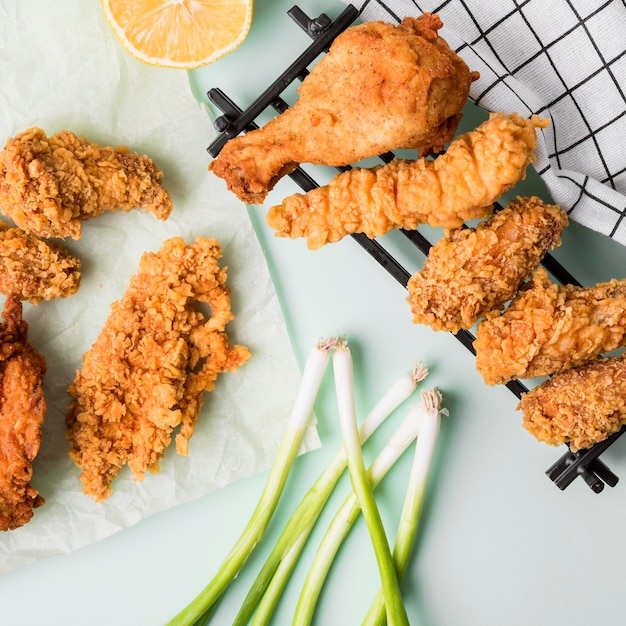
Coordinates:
182 34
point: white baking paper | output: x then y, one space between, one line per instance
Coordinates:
62 68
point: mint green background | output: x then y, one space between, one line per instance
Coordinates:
500 544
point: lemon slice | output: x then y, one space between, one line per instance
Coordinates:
182 34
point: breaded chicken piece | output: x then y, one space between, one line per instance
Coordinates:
147 371
22 412
35 269
49 185
461 184
474 272
380 87
581 406
549 328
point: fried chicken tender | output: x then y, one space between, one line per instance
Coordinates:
35 269
380 87
461 184
147 371
581 406
474 272
50 185
549 328
22 412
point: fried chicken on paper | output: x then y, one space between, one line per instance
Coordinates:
380 87
22 411
147 371
35 269
473 272
50 185
461 184
581 406
548 328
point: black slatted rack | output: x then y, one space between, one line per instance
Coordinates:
234 121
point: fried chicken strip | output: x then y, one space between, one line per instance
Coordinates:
50 185
581 406
549 328
22 411
148 369
474 272
380 87
35 269
462 184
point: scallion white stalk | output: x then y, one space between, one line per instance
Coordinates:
429 423
346 516
272 579
344 385
290 444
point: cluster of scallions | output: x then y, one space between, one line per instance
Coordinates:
420 424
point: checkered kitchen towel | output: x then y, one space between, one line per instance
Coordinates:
562 59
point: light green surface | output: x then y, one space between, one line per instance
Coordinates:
499 543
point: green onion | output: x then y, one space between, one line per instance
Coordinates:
291 441
346 516
276 585
272 579
430 419
344 383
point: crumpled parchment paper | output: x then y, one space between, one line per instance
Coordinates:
62 68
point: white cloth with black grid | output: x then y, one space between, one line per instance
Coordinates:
562 59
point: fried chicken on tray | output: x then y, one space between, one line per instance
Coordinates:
49 185
22 411
581 406
35 269
380 87
473 272
147 371
549 328
461 184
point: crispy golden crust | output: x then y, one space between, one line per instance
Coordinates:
474 272
380 87
581 406
549 328
22 411
35 269
49 185
461 184
147 371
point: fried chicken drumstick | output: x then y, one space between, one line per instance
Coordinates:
380 87
49 185
473 272
148 369
461 184
22 411
581 406
549 328
35 269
